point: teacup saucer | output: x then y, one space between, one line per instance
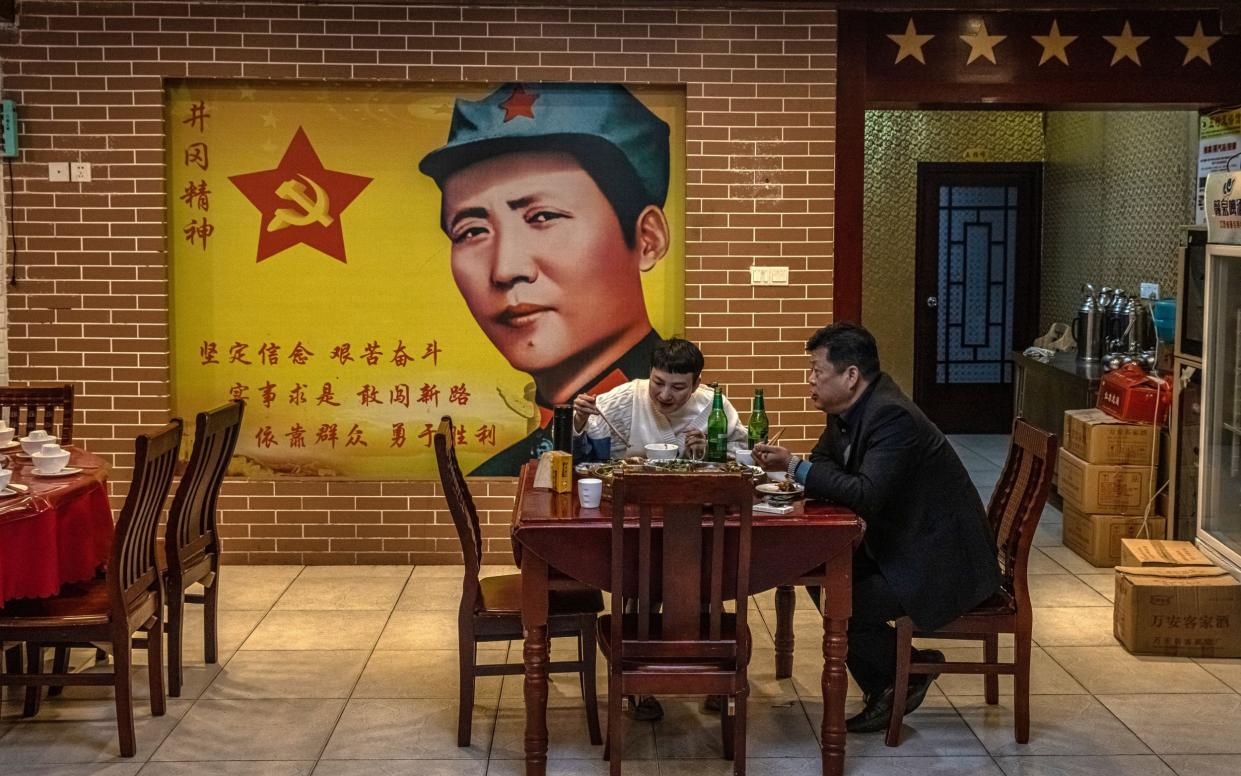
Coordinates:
65 472
10 446
8 492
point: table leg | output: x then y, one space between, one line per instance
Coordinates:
535 657
837 606
785 605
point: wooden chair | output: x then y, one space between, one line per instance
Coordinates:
693 646
191 551
491 607
1014 513
27 409
109 610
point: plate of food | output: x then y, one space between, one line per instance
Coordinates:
786 490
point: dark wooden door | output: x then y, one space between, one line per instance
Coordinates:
976 289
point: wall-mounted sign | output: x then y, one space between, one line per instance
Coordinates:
1223 207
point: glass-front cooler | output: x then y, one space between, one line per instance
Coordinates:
1219 494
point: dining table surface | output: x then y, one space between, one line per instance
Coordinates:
560 544
53 529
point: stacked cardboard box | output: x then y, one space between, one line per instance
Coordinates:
1170 600
1105 478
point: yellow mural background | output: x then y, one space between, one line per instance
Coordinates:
395 285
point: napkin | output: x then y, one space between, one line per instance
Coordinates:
773 509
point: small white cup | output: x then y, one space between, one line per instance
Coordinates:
50 459
589 492
38 435
5 476
6 435
744 457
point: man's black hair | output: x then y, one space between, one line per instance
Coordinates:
678 357
620 186
848 344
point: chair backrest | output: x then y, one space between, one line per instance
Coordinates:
1018 500
683 566
132 571
191 518
27 409
460 502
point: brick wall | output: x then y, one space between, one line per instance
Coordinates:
91 305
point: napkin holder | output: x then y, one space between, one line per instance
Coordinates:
555 472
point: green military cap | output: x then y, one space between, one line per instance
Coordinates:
598 120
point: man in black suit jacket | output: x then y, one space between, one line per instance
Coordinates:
928 551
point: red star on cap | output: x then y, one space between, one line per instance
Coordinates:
519 103
300 201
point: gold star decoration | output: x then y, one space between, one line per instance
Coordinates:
911 43
982 44
1126 45
1198 45
1054 44
269 119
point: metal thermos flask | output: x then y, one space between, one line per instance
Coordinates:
1088 327
562 428
1116 322
1141 326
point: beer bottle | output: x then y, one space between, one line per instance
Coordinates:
717 429
758 420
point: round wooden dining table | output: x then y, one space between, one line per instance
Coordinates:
53 530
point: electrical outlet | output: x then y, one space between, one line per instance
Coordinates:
58 171
79 171
1149 291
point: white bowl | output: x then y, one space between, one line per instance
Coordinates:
745 457
34 443
51 459
6 435
661 450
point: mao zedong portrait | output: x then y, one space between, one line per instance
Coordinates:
552 199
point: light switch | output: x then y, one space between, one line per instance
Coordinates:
58 171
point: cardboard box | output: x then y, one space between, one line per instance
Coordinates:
1097 538
1102 488
1191 611
1148 553
1096 437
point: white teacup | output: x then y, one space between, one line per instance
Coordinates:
5 476
6 435
589 492
35 441
50 459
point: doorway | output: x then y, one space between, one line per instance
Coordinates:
976 289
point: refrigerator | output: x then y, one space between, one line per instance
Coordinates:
1218 532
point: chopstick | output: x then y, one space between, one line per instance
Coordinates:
624 439
775 438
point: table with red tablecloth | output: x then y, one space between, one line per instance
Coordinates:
58 531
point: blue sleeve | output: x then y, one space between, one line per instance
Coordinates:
588 449
802 472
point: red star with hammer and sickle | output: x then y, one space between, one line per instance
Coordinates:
299 216
519 103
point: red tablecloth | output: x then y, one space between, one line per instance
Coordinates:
58 532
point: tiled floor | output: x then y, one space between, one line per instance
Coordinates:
349 671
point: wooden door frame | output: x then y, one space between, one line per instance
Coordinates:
1025 313
855 94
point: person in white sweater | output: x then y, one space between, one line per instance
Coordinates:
670 406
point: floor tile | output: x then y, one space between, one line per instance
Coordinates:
92 769
404 768
1073 626
1048 535
407 630
1042 562
82 732
431 593
1063 590
1046 676
755 766
571 767
1059 724
317 630
567 735
230 768
254 587
341 593
1104 584
1181 724
427 673
1109 670
917 766
289 674
1072 561
417 729
774 729
934 730
1204 764
1085 765
356 572
270 729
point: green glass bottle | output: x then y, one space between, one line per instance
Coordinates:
717 429
758 420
